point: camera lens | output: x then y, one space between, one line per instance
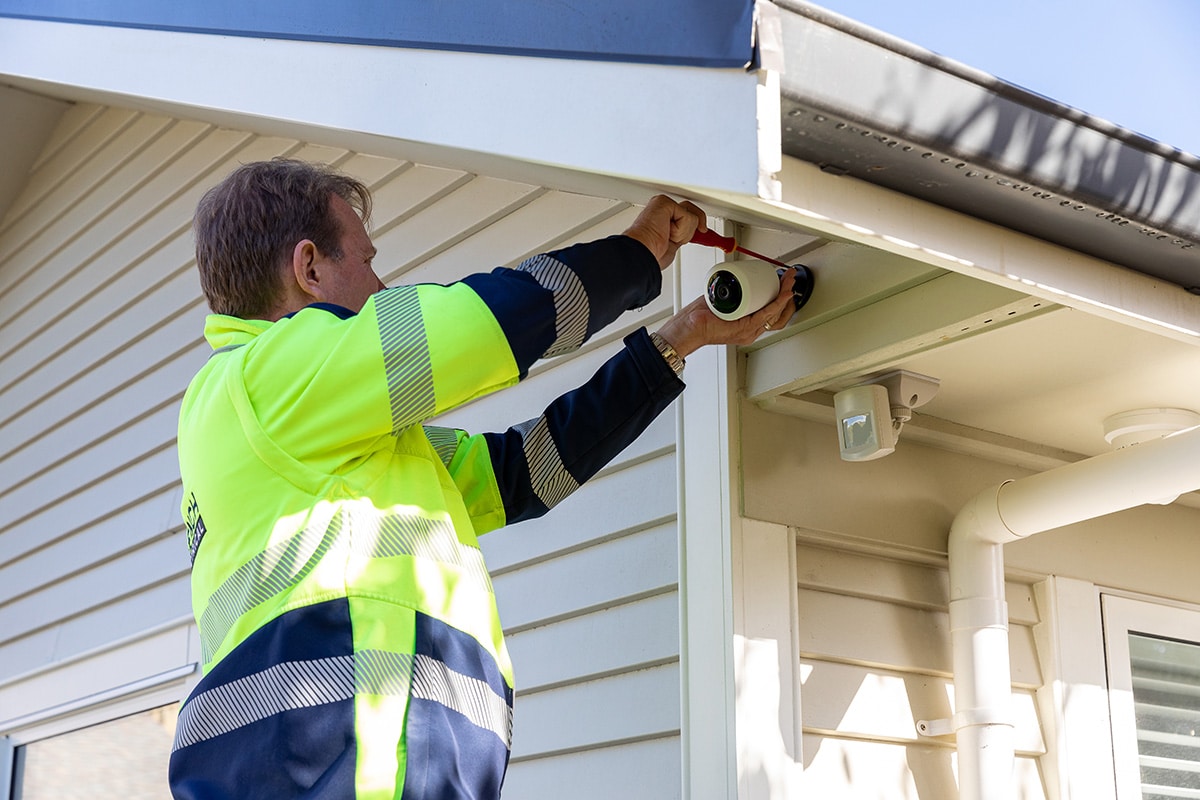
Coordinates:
724 291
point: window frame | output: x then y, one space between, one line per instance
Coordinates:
1085 737
1124 615
134 698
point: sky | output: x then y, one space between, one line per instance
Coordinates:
1135 63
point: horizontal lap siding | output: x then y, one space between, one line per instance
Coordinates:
587 593
588 598
643 769
865 684
100 325
100 318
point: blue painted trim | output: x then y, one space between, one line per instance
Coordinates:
707 33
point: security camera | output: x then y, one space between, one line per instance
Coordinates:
735 289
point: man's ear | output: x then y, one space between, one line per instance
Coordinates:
306 269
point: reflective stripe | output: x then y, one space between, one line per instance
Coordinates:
381 672
225 349
271 572
444 442
304 684
287 686
471 697
406 360
571 308
358 527
376 535
549 477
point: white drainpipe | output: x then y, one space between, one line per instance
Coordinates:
1152 472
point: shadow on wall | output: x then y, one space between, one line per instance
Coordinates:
860 738
860 734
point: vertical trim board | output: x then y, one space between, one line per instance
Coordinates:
766 660
707 509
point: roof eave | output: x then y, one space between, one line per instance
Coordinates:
856 101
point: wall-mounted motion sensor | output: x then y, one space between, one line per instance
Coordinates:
870 415
864 421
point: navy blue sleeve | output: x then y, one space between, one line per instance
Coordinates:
552 303
540 462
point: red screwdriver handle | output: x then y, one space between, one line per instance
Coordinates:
729 244
713 239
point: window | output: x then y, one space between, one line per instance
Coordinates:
1153 654
123 759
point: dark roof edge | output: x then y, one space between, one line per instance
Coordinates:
1000 87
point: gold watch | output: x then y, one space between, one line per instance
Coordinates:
675 361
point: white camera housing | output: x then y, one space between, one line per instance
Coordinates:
734 289
864 422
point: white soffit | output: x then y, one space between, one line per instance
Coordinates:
26 121
846 209
658 125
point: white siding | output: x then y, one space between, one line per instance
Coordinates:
866 683
100 330
871 620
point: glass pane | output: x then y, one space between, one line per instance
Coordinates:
1166 697
125 759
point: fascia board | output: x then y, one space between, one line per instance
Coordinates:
849 210
655 124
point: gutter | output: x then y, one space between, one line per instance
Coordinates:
985 80
861 103
1152 472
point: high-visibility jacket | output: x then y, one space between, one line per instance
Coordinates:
351 643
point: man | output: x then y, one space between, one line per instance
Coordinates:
351 644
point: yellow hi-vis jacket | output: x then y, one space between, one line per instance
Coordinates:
351 643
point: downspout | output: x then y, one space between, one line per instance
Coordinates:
1152 472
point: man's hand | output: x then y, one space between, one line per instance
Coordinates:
664 225
696 325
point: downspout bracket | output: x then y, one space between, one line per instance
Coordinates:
964 719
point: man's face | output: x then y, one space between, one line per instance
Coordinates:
354 278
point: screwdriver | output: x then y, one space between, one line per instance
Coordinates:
729 244
801 290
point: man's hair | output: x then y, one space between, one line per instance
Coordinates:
247 226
